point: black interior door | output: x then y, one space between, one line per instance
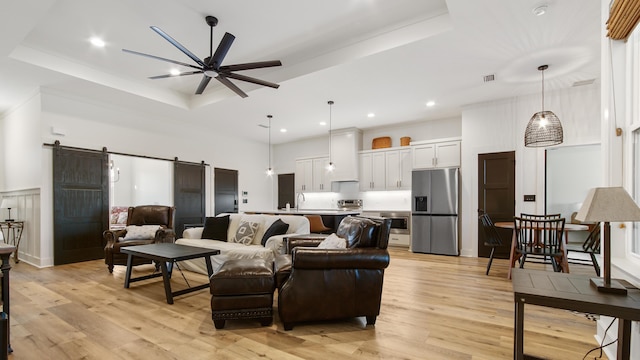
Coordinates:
81 204
225 190
496 197
188 195
286 190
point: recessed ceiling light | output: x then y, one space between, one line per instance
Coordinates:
323 123
430 103
283 130
370 115
97 42
540 10
174 72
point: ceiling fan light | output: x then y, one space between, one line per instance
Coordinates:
211 73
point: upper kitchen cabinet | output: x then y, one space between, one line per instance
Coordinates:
399 166
321 174
372 170
312 175
440 154
304 175
345 144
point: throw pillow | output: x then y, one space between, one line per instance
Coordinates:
247 230
215 228
278 227
333 241
141 232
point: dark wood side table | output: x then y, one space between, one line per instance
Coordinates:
5 341
12 235
571 292
166 254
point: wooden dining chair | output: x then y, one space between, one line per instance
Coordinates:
540 217
540 238
491 237
590 246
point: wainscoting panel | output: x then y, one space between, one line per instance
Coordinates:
28 210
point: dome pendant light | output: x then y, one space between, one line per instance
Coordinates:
269 170
544 127
331 167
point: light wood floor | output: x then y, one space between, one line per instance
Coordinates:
433 307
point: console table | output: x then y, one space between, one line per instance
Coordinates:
571 292
12 233
5 339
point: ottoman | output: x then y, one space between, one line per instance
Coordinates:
242 289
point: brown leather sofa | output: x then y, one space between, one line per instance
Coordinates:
325 284
139 215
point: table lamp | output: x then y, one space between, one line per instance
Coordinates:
8 203
607 204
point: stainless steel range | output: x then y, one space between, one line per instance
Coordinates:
350 204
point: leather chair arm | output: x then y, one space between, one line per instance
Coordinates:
112 236
310 240
364 258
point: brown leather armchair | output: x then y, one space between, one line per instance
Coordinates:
139 215
324 284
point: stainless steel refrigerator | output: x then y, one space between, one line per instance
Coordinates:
434 211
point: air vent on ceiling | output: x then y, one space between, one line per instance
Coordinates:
488 78
583 82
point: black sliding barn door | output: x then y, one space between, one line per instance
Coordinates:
80 203
188 195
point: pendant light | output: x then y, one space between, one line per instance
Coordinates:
331 166
269 169
544 128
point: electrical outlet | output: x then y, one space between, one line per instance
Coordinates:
244 201
529 198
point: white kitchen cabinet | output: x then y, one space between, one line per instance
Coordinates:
345 145
304 175
436 154
398 169
372 170
321 175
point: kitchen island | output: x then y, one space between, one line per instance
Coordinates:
330 218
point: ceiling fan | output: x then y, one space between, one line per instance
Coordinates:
211 66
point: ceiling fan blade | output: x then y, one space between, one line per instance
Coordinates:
170 75
252 80
203 84
177 44
231 85
159 58
250 66
221 51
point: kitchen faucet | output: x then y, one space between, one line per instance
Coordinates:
298 200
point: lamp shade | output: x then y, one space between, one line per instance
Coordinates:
612 204
544 129
9 203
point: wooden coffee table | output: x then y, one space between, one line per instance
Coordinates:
166 254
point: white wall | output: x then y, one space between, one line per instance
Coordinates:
20 144
87 125
499 126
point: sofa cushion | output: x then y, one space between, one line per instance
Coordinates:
278 227
333 241
246 232
141 232
215 228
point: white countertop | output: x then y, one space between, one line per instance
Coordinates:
312 212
